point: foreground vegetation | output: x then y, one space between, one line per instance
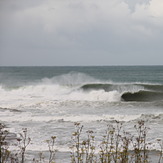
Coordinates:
115 146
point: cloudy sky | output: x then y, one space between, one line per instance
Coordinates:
81 32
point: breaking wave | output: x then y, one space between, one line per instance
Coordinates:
130 92
143 96
81 87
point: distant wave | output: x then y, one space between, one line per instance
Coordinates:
96 86
154 87
130 92
111 86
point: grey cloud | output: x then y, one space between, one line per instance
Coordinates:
68 32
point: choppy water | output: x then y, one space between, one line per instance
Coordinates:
48 100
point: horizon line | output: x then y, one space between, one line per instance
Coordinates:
74 65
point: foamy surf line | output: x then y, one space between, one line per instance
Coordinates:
43 147
81 118
81 87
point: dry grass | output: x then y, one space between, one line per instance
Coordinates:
115 146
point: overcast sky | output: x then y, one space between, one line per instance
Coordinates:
81 32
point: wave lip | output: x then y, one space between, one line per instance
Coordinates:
142 96
130 92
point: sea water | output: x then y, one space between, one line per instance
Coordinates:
48 100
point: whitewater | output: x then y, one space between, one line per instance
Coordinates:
48 100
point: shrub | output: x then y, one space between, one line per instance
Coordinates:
115 146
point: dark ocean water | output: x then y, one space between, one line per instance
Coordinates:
53 98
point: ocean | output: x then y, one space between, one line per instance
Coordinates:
49 100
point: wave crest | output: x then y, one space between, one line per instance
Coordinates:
70 79
81 87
